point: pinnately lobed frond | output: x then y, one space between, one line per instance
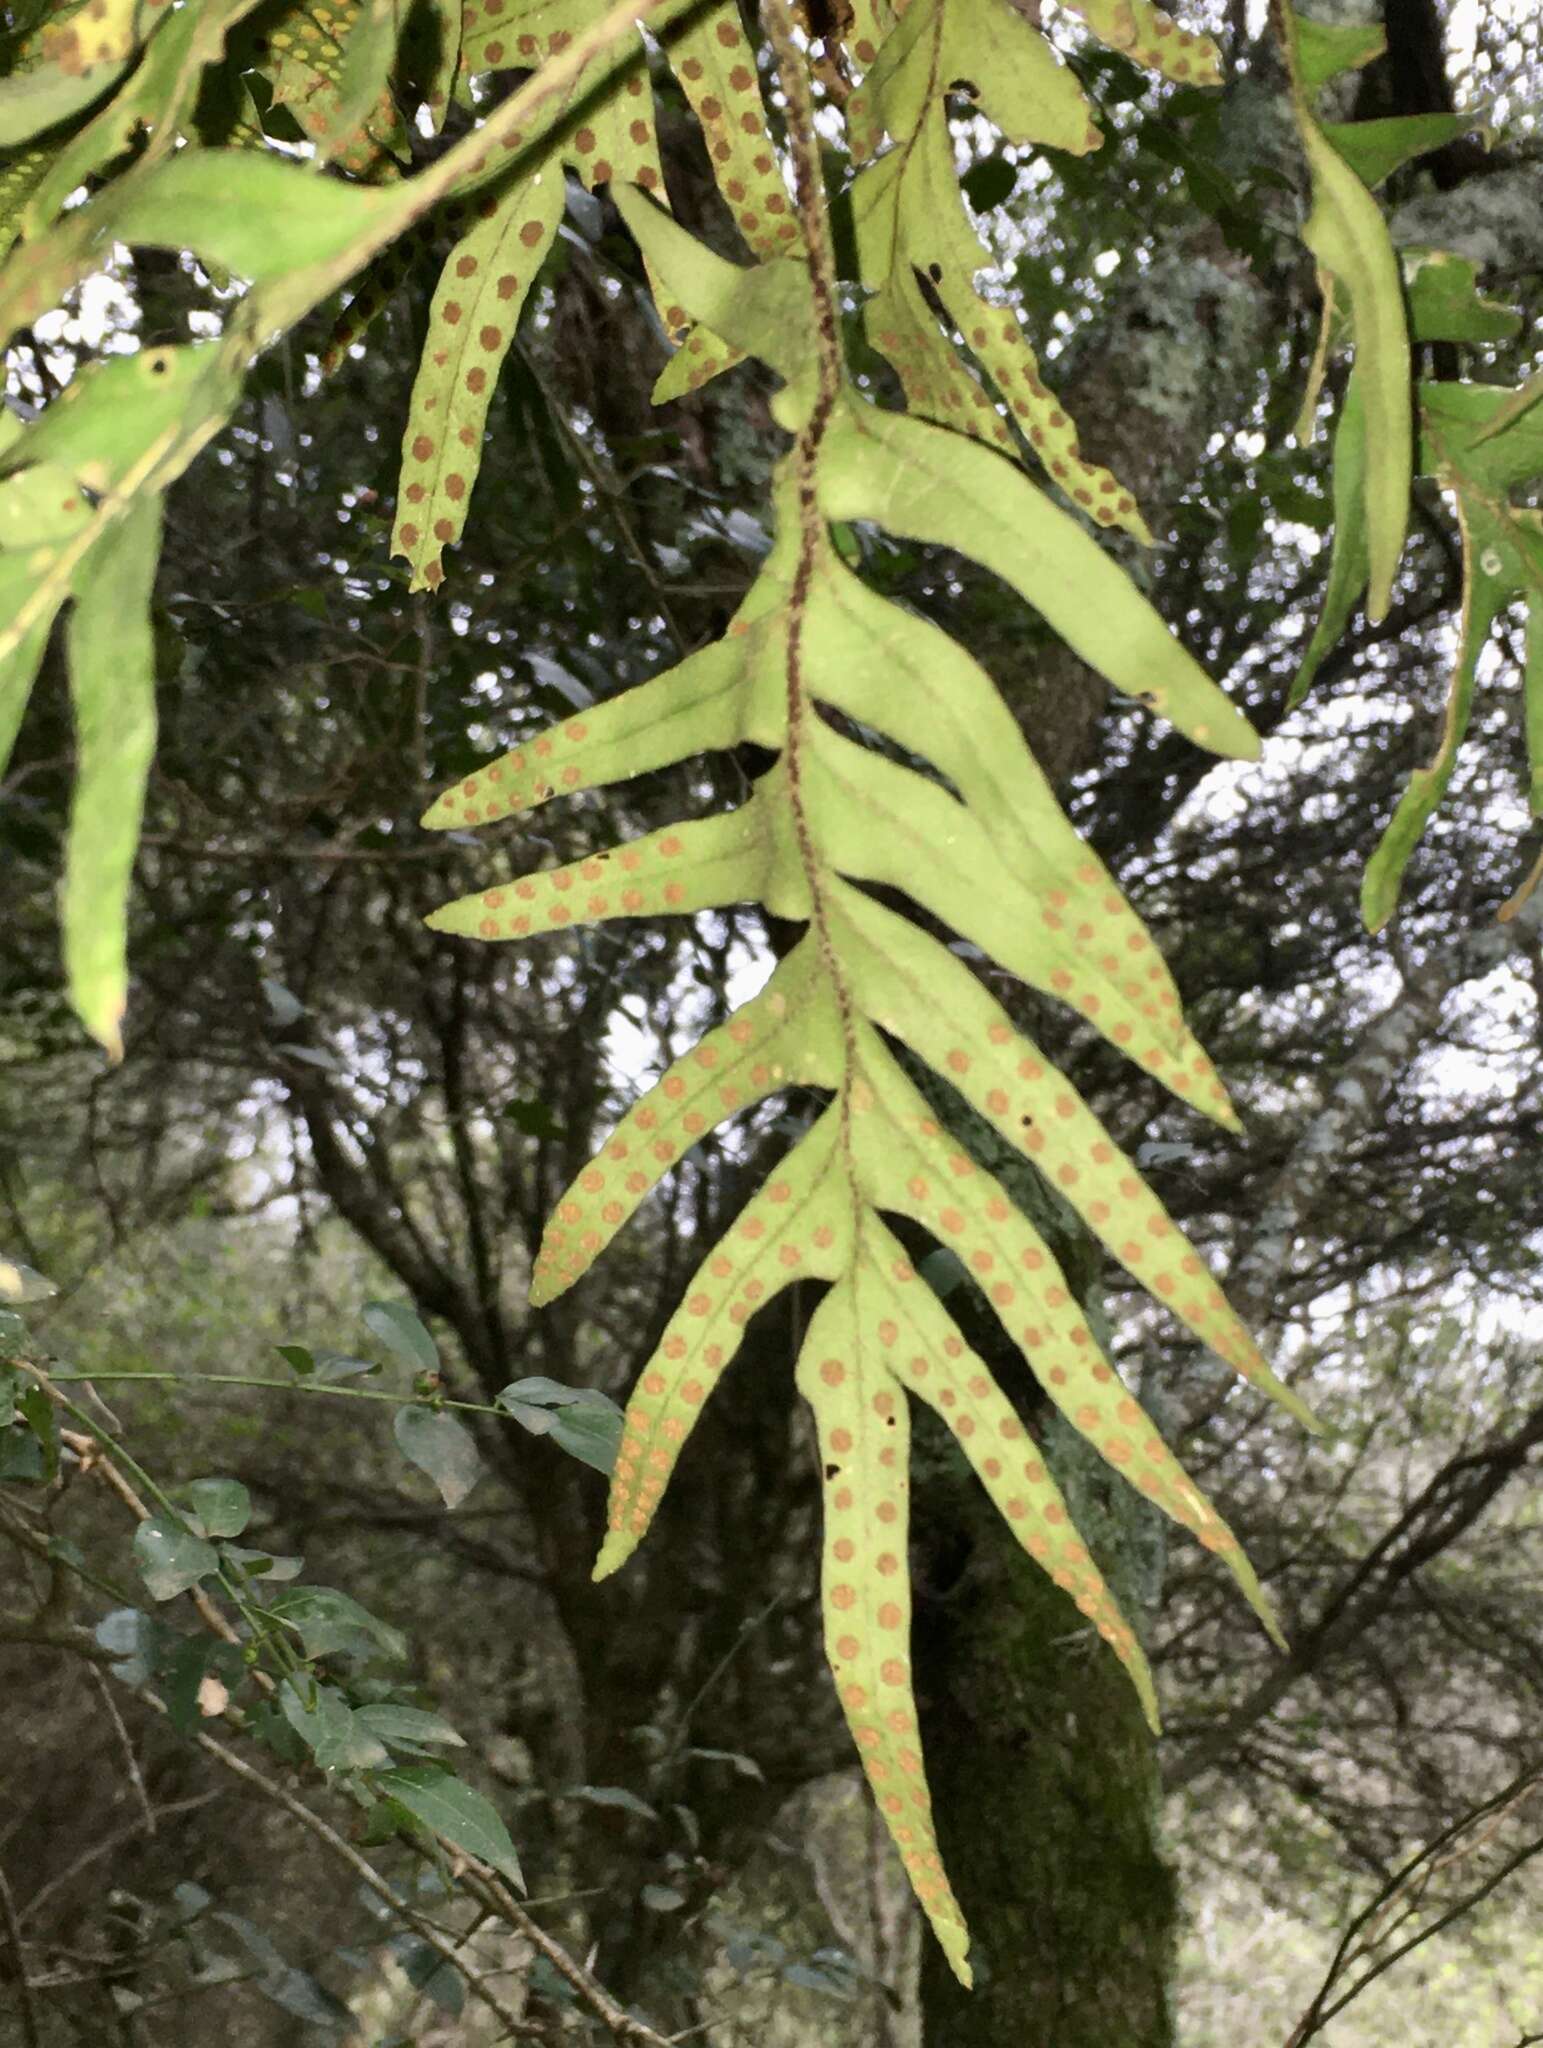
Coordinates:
879 856
963 827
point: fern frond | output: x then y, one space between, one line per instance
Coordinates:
1480 444
1349 238
914 239
965 829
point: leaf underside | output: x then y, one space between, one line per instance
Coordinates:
953 822
950 833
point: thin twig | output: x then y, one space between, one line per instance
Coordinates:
31 2019
362 1868
107 1845
484 1884
1462 1839
94 1459
131 1761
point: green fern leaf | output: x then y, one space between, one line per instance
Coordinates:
911 224
932 486
896 768
1349 238
112 684
158 97
787 1035
67 63
985 49
715 63
80 496
326 61
1150 37
967 829
477 303
20 176
124 429
488 275
701 356
374 291
1480 447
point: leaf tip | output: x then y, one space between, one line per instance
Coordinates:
104 1021
547 1281
614 1553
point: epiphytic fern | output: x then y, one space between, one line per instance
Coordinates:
812 657
1478 442
80 489
963 826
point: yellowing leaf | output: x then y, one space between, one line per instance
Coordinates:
1150 37
112 682
477 304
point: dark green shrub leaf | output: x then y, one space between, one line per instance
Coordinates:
441 1446
446 1807
261 1564
395 1324
329 1624
611 1795
408 1728
171 1558
328 1726
222 1505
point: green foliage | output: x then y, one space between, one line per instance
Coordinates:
171 1558
1479 443
902 821
971 833
444 1448
435 1800
1479 447
1347 234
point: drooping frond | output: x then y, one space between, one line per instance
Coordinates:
965 829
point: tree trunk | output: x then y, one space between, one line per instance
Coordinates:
1044 1783
1043 1773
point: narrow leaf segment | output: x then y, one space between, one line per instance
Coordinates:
951 818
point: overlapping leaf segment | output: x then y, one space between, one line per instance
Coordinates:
969 833
1480 442
201 91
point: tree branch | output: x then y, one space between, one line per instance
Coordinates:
1449 1505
